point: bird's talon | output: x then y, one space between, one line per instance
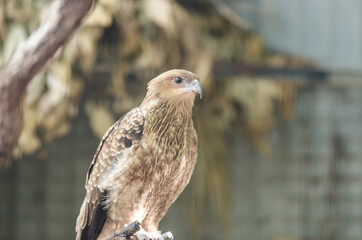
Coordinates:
167 236
143 235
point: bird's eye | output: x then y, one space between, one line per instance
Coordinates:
178 80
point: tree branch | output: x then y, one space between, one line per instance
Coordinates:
63 18
126 232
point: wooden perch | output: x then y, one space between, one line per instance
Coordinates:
63 18
126 232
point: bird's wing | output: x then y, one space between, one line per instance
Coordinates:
122 135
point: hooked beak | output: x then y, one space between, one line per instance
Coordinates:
195 87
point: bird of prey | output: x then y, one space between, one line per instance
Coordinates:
143 162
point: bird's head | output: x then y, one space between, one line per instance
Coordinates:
178 86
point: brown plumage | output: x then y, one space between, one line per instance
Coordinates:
144 161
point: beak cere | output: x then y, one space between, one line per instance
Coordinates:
195 87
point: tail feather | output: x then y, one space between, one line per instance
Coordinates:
89 227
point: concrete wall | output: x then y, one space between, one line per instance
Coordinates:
328 31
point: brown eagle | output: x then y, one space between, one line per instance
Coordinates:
143 162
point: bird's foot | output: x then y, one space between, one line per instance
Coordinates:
143 235
167 236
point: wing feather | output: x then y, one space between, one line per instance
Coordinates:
122 135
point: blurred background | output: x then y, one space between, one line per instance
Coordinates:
280 126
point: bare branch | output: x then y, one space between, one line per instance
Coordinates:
126 232
63 18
